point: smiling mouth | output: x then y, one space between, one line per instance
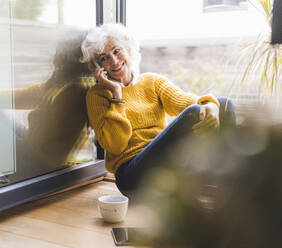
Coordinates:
119 68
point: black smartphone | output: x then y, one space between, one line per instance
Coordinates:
95 63
137 236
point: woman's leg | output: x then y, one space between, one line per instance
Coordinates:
167 148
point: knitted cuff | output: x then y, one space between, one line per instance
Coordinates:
117 100
202 100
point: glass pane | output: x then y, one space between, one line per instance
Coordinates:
198 50
7 148
51 131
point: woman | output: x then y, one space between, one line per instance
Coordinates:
127 110
58 113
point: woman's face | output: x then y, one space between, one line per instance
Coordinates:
115 60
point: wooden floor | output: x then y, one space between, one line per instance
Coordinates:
68 219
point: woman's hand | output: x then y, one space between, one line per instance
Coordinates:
209 119
101 76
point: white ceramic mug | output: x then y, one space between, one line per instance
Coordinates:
113 208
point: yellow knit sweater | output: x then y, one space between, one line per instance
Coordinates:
124 130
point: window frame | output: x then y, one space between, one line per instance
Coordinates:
119 11
35 188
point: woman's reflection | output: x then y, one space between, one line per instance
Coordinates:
58 113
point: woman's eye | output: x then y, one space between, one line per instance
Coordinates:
116 51
102 59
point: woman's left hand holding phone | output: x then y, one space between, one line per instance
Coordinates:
101 76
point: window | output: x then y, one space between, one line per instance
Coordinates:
36 28
195 50
29 34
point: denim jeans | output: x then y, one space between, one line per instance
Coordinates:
130 174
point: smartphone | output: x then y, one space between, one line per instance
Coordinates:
95 63
137 236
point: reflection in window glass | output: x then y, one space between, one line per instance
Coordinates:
195 49
49 84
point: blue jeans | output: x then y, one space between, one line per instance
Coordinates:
162 148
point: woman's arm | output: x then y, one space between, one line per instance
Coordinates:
175 100
112 128
24 98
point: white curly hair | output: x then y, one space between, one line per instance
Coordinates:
97 37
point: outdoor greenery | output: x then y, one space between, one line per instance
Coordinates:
24 9
200 79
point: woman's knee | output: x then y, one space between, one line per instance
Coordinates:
227 111
192 112
187 118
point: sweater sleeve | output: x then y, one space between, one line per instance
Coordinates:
176 100
202 100
173 99
111 126
24 98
